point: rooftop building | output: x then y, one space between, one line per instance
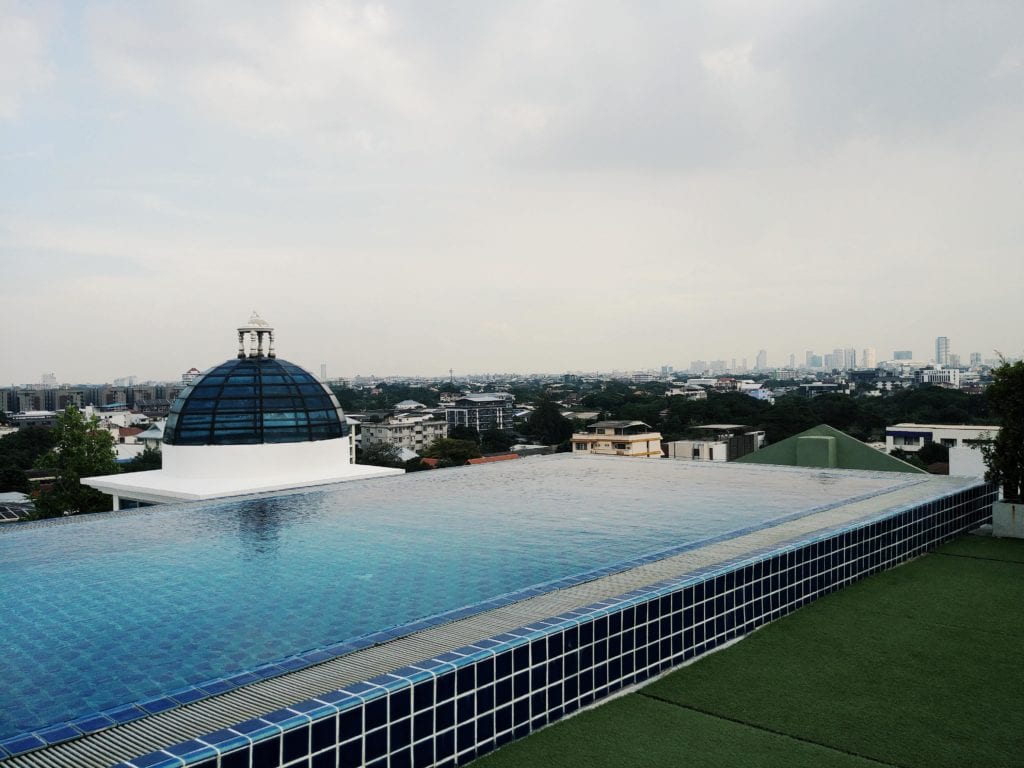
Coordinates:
618 438
254 423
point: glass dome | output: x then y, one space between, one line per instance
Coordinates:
254 400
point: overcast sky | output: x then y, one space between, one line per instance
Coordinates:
405 187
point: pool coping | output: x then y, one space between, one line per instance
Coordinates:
629 580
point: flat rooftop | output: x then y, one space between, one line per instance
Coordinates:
940 687
624 491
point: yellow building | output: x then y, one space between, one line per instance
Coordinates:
618 438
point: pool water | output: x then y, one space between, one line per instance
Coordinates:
108 609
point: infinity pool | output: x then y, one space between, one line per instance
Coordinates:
103 610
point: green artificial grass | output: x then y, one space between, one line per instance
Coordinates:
643 732
919 666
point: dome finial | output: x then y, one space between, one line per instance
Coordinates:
256 329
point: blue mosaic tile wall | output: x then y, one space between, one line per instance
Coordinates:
450 709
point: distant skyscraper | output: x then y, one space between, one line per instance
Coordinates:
838 359
903 354
762 360
809 358
851 358
942 350
48 381
975 359
952 360
792 362
323 371
733 366
868 358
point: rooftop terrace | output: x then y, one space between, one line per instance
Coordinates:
941 686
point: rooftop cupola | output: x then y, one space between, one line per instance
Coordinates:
255 338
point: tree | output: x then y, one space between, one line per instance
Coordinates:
463 432
933 453
495 441
82 449
149 459
547 424
381 455
1005 454
450 452
19 451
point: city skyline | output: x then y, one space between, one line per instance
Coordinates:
865 357
506 187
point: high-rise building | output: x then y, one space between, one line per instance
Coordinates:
792 362
868 358
975 359
809 358
851 357
942 350
903 354
762 360
838 359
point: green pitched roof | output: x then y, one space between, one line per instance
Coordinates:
824 446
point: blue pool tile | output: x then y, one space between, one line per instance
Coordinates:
315 657
58 733
157 760
124 714
286 719
188 695
215 686
152 706
192 750
315 709
341 699
19 744
359 688
226 739
256 728
241 679
92 723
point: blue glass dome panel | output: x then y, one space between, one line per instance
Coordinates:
254 400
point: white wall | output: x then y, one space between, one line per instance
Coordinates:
268 459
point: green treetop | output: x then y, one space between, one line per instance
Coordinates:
1005 455
82 449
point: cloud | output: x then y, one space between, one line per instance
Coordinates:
327 71
25 63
